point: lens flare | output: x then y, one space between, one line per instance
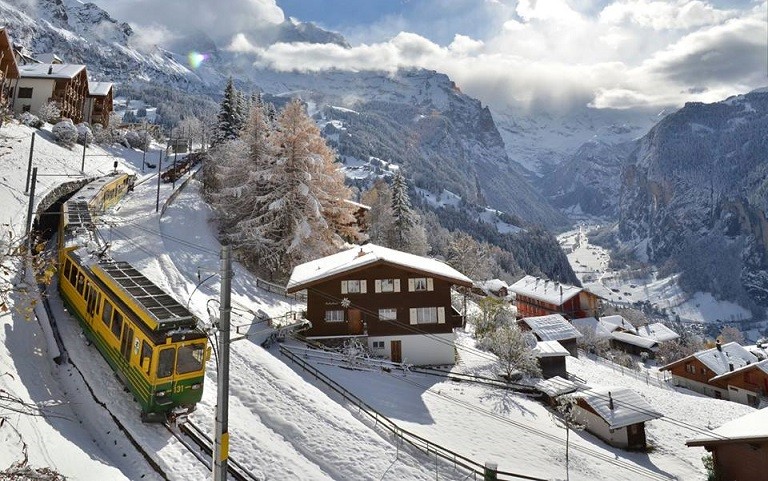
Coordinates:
195 59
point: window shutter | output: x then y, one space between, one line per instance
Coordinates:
413 315
397 285
430 284
343 287
363 286
411 286
377 285
441 315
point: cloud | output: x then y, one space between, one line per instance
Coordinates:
663 15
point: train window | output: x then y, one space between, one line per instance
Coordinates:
117 324
106 315
190 358
67 267
73 276
165 364
80 284
146 356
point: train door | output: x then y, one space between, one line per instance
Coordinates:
126 343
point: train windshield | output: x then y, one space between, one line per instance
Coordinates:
165 365
190 358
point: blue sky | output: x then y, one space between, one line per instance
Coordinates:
556 53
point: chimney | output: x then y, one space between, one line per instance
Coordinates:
719 345
361 253
610 400
50 69
730 366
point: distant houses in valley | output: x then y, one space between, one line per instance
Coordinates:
739 448
398 304
624 336
541 297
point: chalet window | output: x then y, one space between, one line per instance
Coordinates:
334 316
388 314
353 287
25 93
26 108
416 284
428 315
387 285
690 368
378 344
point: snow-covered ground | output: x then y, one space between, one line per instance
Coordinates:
591 265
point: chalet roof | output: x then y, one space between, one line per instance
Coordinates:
99 88
719 360
658 332
617 322
491 285
49 58
628 407
550 349
590 324
762 366
634 340
552 327
51 71
557 386
10 63
750 427
544 290
331 266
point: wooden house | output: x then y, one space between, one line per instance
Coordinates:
696 372
553 327
540 297
98 104
551 356
739 448
746 385
9 71
399 304
616 415
65 84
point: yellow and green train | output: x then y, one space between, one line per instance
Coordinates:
152 342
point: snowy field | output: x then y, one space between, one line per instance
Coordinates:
590 263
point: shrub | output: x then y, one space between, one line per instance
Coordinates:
65 132
30 120
84 134
49 112
138 139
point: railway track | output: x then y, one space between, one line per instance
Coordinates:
201 446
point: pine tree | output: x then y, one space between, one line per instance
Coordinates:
401 209
229 121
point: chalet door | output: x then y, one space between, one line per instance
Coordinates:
636 436
355 321
396 351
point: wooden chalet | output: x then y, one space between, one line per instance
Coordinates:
65 84
739 448
746 385
399 304
98 104
540 297
616 415
553 327
9 71
701 371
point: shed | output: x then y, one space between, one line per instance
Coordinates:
556 386
553 327
551 356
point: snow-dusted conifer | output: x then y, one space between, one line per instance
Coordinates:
401 208
229 121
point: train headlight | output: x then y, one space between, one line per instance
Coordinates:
197 385
161 393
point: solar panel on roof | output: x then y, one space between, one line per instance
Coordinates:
164 308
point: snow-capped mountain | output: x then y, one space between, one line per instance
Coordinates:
695 192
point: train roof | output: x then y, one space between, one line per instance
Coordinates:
165 312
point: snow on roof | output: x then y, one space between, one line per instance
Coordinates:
550 349
48 58
760 350
552 327
628 407
592 325
492 286
719 360
360 256
557 386
639 341
762 366
544 290
615 322
751 426
54 71
99 88
658 332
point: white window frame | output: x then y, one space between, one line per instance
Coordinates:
387 285
354 286
332 315
427 315
421 284
388 314
379 345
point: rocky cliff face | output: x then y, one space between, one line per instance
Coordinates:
695 192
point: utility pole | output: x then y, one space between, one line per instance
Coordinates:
82 165
157 202
221 447
30 209
29 165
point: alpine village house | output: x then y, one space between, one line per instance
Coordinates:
399 304
541 297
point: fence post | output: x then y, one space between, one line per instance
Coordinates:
490 473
